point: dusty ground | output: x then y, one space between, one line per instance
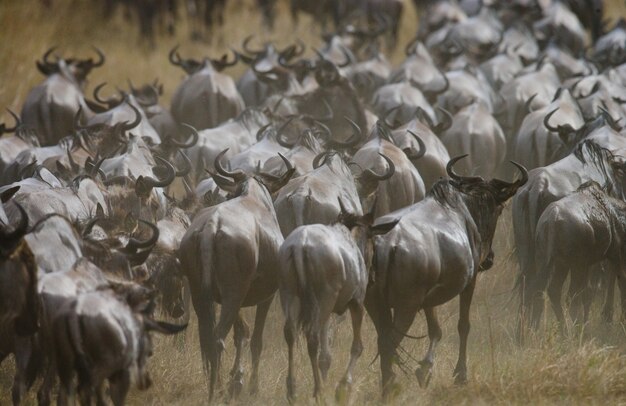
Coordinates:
581 367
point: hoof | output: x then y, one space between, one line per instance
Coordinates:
460 377
235 387
291 390
423 375
342 394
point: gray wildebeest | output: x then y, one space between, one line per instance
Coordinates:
50 107
324 270
573 234
432 255
18 284
104 335
230 256
206 97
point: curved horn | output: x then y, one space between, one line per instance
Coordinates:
171 175
410 152
347 59
46 55
453 175
320 159
186 169
77 119
387 113
281 141
111 101
529 102
126 126
261 131
174 57
18 123
222 63
134 244
193 141
11 238
237 175
101 58
444 124
245 44
410 48
354 139
386 175
89 226
546 121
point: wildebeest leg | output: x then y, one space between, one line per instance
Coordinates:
460 372
256 344
119 384
356 314
23 354
240 337
325 358
313 343
290 337
610 275
555 289
579 294
100 395
423 372
621 282
228 316
380 313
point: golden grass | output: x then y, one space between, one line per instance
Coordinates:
581 368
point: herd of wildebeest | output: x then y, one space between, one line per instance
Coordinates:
326 175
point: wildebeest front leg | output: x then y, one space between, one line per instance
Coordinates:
256 345
345 385
240 337
423 372
460 372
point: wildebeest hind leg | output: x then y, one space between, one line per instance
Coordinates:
356 313
256 345
555 289
460 372
580 294
325 357
240 337
423 372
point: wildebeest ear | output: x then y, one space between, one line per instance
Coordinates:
99 211
383 228
163 327
8 194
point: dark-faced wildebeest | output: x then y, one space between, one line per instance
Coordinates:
432 255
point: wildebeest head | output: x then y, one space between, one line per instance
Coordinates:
192 66
235 181
118 254
483 200
77 69
18 279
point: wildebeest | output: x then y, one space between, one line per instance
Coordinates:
323 271
104 335
573 234
245 225
50 108
206 97
432 255
588 161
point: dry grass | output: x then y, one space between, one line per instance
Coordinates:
583 367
